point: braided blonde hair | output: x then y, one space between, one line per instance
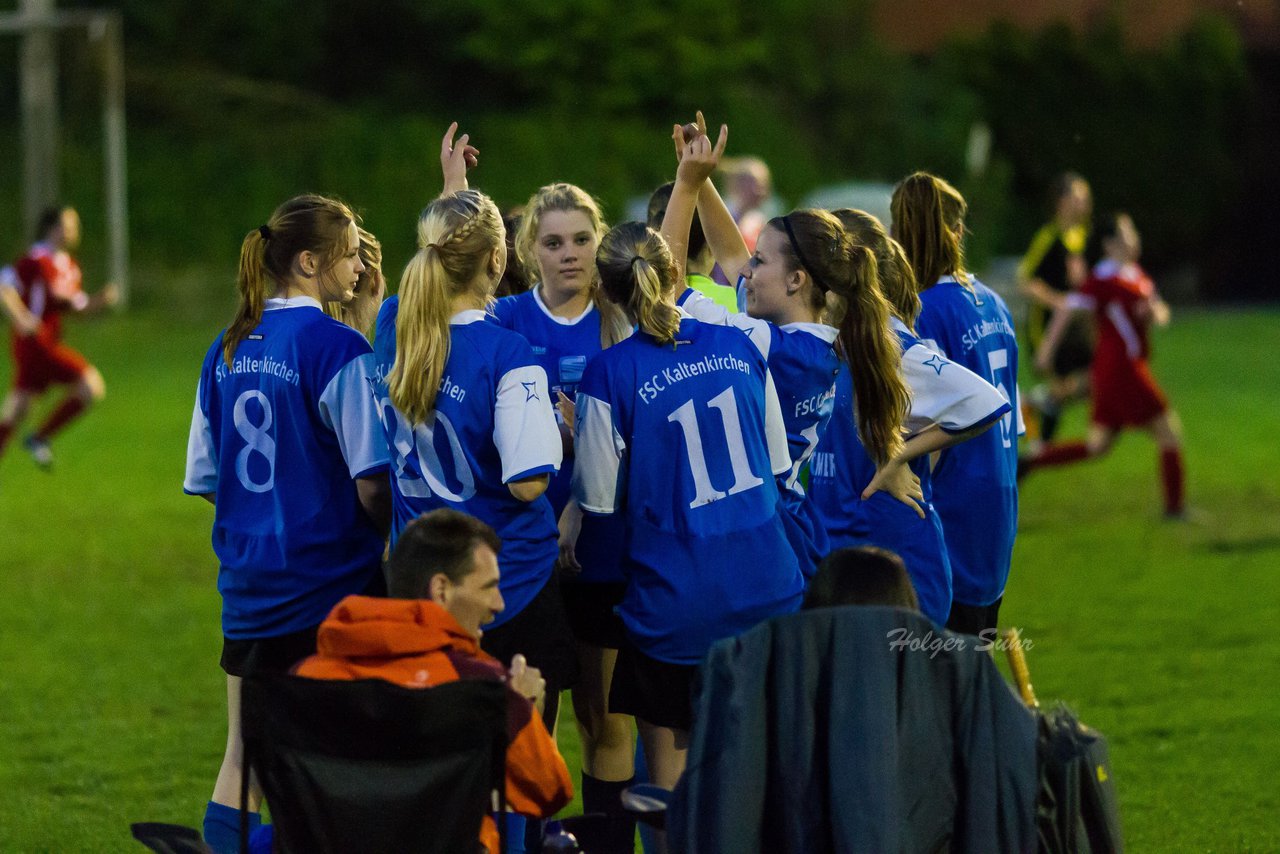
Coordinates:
457 234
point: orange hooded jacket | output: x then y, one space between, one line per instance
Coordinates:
417 644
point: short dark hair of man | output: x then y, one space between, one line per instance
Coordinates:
861 575
442 541
658 209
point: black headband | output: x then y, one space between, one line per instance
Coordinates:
265 232
795 246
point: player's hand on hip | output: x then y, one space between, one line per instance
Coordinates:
896 478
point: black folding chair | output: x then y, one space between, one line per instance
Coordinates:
370 766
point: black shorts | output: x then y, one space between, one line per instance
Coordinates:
590 609
541 634
657 692
267 655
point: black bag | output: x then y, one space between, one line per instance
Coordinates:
1077 811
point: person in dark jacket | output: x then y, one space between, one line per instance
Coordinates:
855 729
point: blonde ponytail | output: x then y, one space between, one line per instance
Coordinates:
638 273
456 234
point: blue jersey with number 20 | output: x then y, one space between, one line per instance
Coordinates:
492 424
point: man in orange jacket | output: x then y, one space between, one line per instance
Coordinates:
442 578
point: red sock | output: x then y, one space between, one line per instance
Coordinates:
6 432
1171 477
1060 454
60 417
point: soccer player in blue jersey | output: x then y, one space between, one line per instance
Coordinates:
285 444
566 323
467 414
948 404
371 288
806 271
975 484
679 430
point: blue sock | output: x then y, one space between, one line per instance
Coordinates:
515 832
222 827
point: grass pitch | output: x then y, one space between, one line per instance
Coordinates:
1165 636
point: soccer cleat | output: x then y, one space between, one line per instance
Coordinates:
41 453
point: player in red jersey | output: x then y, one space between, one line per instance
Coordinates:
35 292
1124 303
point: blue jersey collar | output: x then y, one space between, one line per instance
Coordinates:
563 321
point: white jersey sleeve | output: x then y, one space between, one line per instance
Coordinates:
349 409
202 462
706 310
599 448
524 424
775 429
945 393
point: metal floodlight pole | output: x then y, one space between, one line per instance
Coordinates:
39 97
113 146
37 22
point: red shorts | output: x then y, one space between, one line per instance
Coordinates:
41 364
1125 395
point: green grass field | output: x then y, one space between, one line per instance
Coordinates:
1166 636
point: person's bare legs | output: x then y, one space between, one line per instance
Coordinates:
16 405
608 748
1167 431
226 790
665 751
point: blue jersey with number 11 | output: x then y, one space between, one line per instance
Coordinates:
685 439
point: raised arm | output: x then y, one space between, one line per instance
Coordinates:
456 158
697 161
723 236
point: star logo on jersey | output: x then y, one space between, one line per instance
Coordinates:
530 391
937 363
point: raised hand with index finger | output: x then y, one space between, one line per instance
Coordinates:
456 158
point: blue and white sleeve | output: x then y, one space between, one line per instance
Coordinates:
706 310
524 425
202 461
775 428
948 394
599 449
349 409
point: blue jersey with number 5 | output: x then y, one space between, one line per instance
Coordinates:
975 486
685 440
279 435
492 424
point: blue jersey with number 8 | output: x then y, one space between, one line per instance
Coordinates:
279 435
